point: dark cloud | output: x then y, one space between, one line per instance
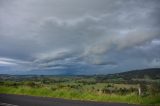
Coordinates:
105 63
87 36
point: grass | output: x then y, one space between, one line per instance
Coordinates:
78 95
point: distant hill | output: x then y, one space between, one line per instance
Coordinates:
143 74
132 77
152 73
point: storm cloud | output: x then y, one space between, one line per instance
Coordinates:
79 36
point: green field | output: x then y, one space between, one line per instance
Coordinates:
80 95
83 88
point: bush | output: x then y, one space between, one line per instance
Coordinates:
31 84
154 88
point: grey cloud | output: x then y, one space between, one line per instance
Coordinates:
155 62
12 61
54 55
15 64
104 63
73 34
137 37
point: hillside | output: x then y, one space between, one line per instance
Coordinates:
153 73
134 76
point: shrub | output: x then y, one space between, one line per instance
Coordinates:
154 88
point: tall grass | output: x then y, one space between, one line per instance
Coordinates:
79 95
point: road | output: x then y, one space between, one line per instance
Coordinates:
21 100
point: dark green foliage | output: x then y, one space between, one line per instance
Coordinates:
32 84
143 88
155 88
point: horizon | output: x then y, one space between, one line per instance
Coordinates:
73 37
46 74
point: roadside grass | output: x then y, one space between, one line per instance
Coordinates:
78 95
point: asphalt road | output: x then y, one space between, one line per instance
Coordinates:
20 100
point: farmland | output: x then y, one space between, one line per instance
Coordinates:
109 88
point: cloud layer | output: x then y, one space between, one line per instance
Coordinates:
78 37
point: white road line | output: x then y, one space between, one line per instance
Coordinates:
6 104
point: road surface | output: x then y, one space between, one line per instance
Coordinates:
20 100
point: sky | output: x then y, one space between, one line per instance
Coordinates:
78 37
